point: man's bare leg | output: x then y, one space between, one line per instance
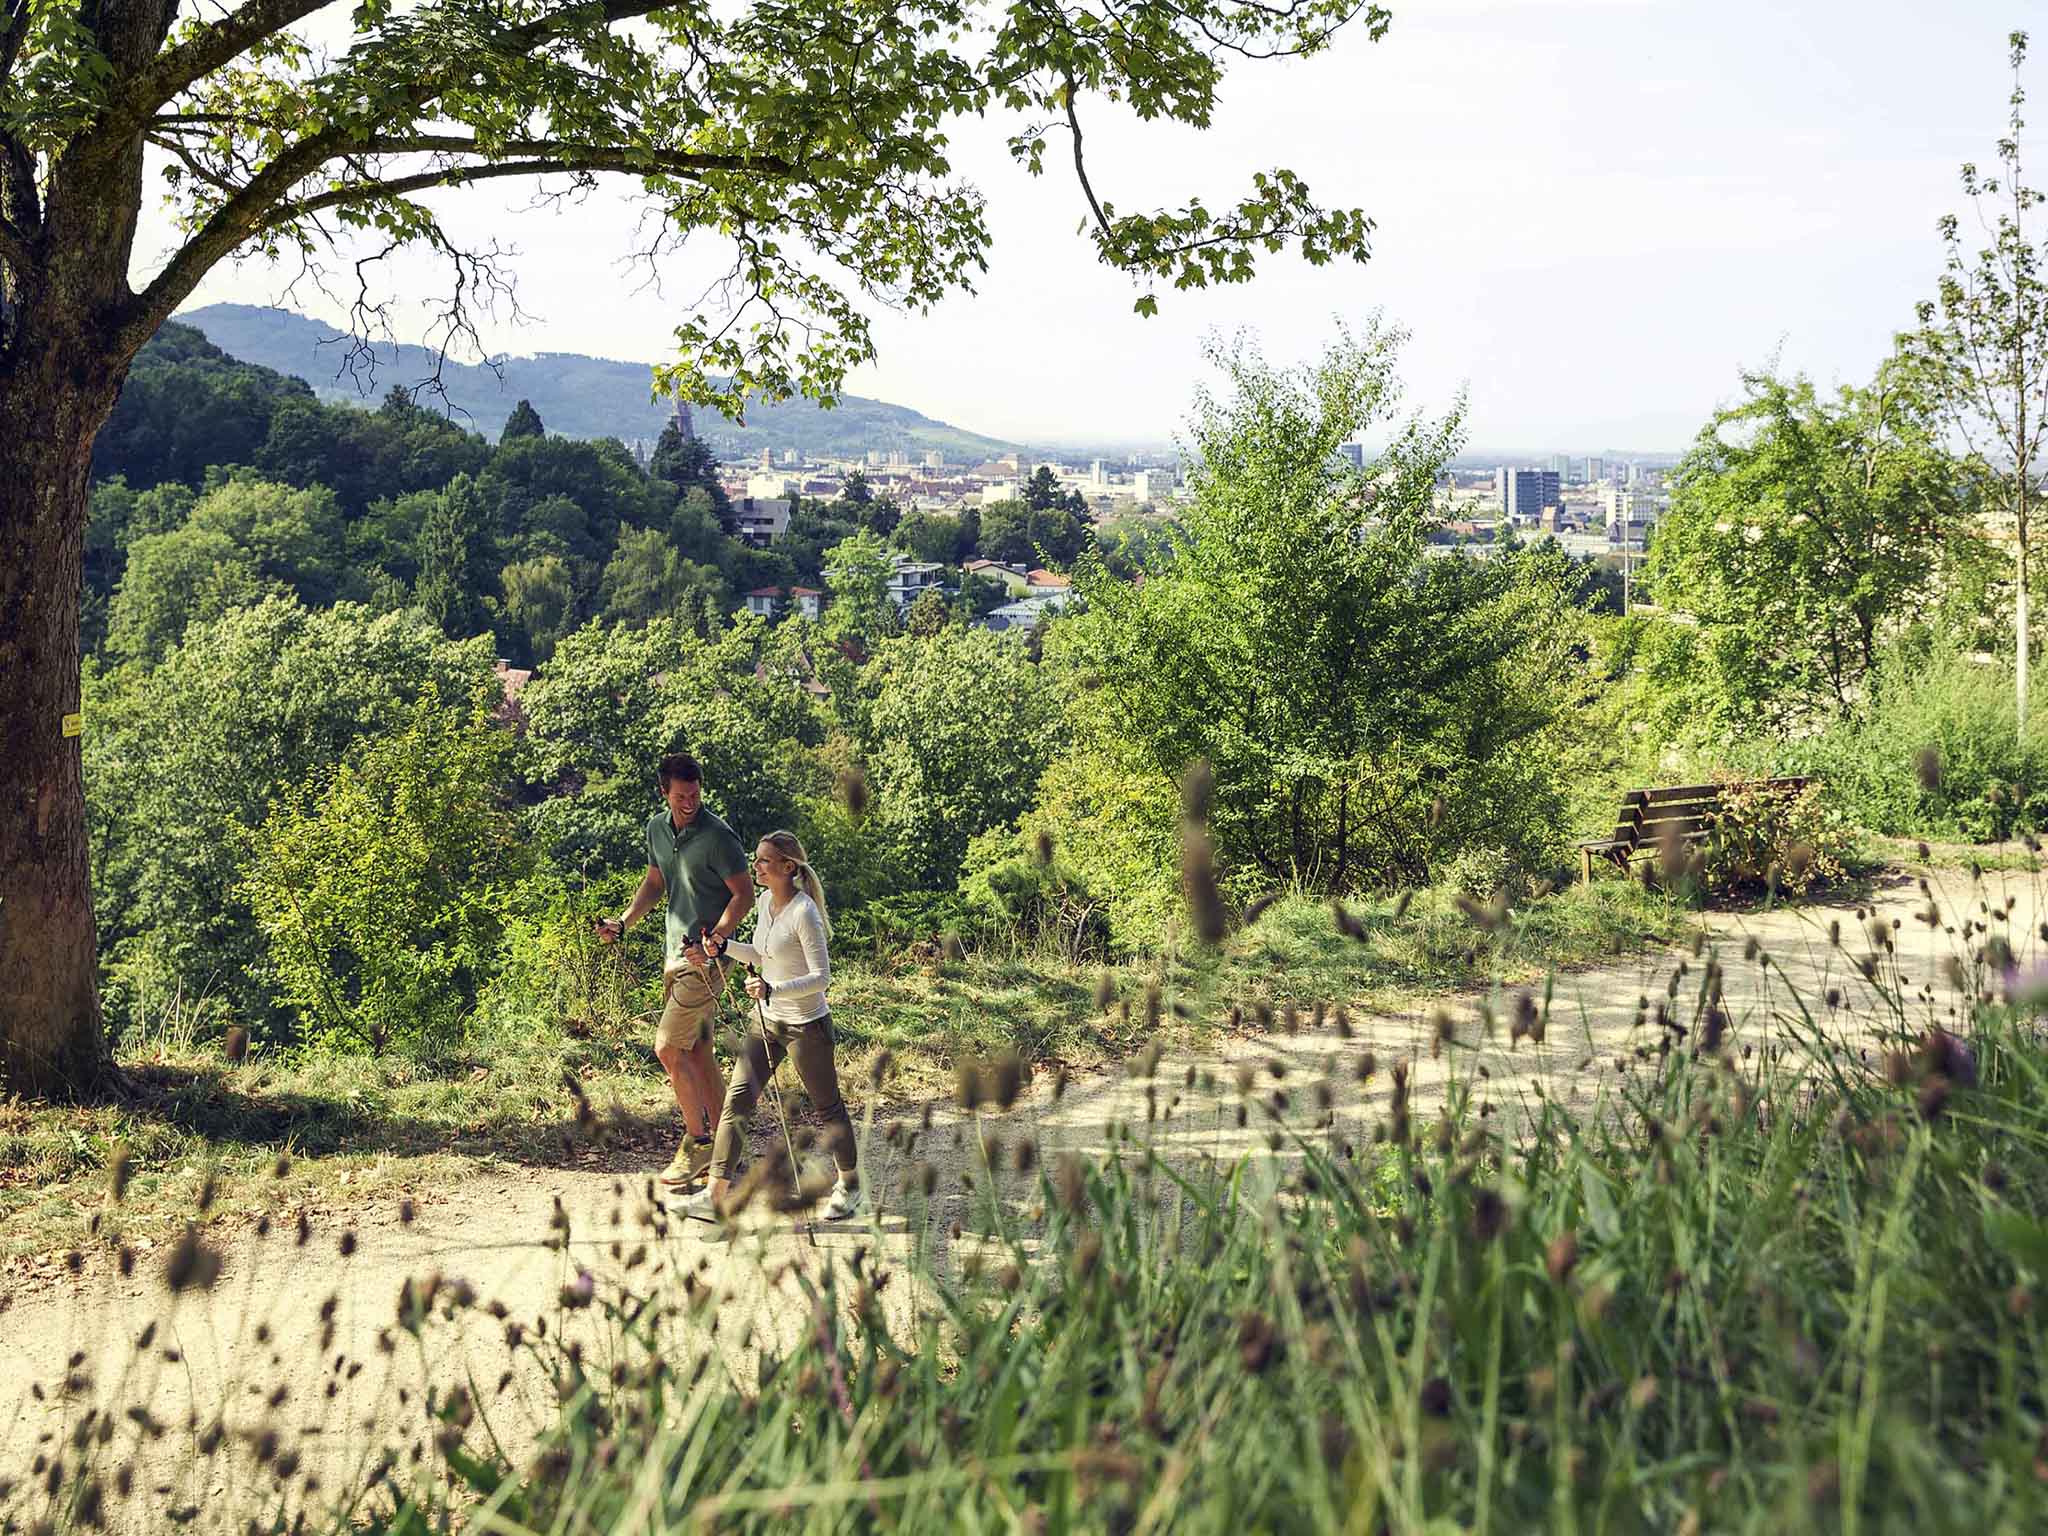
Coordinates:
700 1066
676 1062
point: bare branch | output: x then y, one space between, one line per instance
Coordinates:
1080 170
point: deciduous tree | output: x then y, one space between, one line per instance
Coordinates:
1805 533
1337 678
1984 337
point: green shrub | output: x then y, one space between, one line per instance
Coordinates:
1483 873
1760 836
1013 891
553 970
382 891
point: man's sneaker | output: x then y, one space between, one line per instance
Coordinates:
844 1201
689 1163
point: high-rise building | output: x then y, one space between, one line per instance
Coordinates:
767 458
934 460
1354 454
1596 470
1524 493
1560 465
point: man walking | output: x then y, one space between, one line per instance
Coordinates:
698 862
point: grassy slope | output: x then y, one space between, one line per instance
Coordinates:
359 1129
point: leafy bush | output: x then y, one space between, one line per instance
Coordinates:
183 761
382 892
1761 836
1367 708
1483 873
1012 891
954 728
552 970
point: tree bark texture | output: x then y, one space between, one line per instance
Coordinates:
51 1043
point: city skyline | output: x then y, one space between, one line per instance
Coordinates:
1592 215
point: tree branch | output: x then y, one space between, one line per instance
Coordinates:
1081 170
194 59
11 41
602 156
449 176
226 40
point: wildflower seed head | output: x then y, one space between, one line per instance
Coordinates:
967 1086
852 785
191 1265
120 1169
1927 768
1562 1257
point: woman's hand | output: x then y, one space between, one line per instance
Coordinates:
758 989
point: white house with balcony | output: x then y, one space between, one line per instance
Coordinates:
911 579
762 521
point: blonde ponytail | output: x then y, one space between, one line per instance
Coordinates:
807 881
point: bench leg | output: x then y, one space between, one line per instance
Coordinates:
1585 866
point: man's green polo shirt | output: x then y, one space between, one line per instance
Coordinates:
695 864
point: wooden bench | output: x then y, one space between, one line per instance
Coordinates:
1650 817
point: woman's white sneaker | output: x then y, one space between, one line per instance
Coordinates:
696 1206
844 1201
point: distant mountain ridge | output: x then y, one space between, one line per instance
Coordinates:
576 396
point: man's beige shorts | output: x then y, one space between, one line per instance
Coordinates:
689 1003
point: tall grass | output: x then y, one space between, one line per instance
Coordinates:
1938 753
1769 1282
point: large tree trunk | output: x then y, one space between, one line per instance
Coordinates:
69 327
51 1043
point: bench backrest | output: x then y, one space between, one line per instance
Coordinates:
1681 811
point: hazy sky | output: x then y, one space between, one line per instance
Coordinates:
1591 214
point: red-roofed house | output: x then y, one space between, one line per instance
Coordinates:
810 602
765 602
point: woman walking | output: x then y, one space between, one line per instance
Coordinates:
792 971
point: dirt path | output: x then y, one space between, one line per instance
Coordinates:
289 1338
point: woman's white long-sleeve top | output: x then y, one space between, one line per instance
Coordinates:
788 949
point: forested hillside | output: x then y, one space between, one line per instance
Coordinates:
577 396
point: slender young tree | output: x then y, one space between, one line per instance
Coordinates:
812 135
1985 338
